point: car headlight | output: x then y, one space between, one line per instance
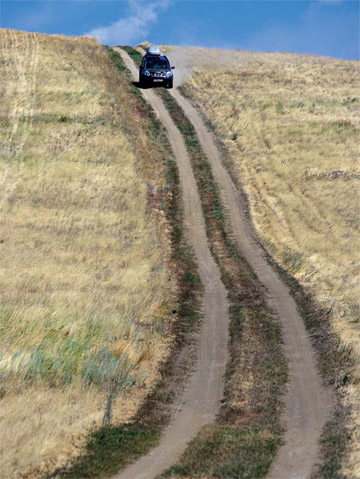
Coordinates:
169 74
146 73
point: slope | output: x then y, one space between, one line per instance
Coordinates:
87 286
288 128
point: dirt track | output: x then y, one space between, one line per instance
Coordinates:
307 402
202 395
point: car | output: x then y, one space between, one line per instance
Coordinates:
155 69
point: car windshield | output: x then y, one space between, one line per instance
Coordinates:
157 63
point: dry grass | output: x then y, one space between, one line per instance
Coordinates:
290 126
85 289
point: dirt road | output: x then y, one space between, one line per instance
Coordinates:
307 403
201 398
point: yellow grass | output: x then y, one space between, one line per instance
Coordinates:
83 261
290 123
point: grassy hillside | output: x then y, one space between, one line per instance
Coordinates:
289 126
85 284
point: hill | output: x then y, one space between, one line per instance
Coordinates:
288 125
91 282
86 285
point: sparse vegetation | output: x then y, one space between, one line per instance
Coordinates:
110 448
88 286
227 452
289 126
134 54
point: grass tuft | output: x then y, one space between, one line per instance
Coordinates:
227 452
108 449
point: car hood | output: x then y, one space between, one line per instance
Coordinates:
151 70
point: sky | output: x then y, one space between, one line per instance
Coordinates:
318 27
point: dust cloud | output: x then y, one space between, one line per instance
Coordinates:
186 58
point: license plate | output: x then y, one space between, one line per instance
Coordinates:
158 79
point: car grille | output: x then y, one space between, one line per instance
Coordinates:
159 74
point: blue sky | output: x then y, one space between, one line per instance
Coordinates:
320 27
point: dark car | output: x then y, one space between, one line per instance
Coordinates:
155 69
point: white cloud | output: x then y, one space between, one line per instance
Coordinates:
134 27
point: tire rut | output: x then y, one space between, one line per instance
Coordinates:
200 402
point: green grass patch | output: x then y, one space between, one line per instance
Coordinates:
62 358
134 54
61 118
116 60
337 130
334 441
227 452
109 449
292 259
